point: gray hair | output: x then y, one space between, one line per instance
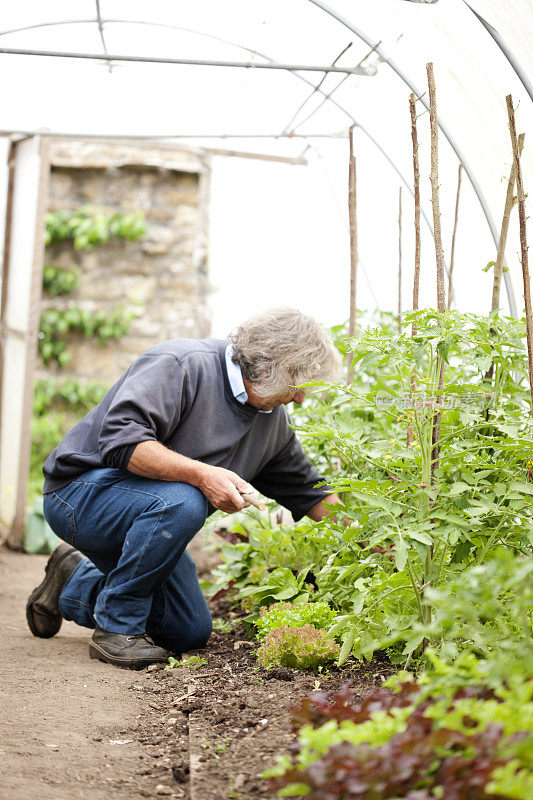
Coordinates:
283 348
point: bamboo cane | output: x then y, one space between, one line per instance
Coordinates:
521 199
498 266
400 260
434 179
439 254
509 199
416 173
352 209
452 255
416 278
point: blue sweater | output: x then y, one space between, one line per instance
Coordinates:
178 393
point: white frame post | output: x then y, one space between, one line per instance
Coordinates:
20 299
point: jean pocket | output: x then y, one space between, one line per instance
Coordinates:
60 516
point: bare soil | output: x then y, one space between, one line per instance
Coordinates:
60 713
214 728
72 727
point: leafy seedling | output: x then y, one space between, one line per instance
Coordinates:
193 662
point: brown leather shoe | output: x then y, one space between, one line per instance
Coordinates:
42 608
129 651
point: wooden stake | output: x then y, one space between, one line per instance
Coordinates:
452 256
498 266
521 198
416 173
400 260
434 178
439 254
352 208
509 199
416 279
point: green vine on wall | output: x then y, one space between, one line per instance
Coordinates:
58 280
50 394
55 325
91 226
57 406
87 227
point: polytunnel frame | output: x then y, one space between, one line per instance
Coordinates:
37 141
450 139
293 68
293 71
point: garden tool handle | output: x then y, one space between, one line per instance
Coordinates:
252 499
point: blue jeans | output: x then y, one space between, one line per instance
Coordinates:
137 576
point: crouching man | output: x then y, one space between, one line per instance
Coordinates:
186 430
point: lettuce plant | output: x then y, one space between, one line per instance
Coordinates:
474 744
293 615
300 648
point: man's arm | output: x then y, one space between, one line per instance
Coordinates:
292 480
319 511
221 486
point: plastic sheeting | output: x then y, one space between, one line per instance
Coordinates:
393 38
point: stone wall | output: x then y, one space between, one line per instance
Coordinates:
163 278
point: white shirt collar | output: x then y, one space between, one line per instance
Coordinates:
235 376
235 379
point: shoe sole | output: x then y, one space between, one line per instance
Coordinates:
38 591
124 663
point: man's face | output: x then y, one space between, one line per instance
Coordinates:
268 403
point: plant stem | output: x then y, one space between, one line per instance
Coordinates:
444 551
523 240
416 591
488 544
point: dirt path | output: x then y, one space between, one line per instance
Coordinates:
61 714
72 728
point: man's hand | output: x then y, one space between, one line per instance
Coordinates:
223 488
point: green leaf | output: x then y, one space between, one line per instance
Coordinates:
285 594
459 488
525 488
413 643
400 554
346 648
420 536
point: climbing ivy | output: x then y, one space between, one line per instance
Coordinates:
54 326
58 280
90 226
57 406
87 227
70 394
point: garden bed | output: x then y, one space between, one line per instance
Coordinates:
211 729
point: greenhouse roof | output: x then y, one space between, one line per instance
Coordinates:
276 76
